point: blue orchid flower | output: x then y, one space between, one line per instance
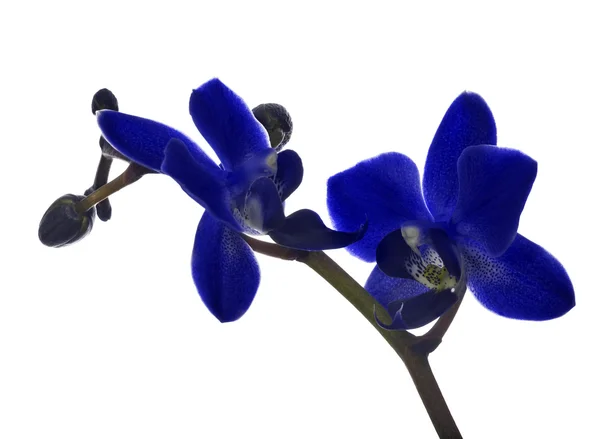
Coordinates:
466 233
245 194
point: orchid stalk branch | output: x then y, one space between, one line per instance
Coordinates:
413 350
132 174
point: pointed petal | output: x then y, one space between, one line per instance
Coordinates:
386 289
224 269
420 310
289 173
263 209
142 140
494 186
204 182
467 122
305 230
526 282
386 189
227 123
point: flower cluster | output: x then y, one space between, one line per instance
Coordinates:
429 243
244 194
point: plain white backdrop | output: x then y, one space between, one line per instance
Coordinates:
108 338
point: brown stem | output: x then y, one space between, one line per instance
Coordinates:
442 325
431 395
132 174
103 208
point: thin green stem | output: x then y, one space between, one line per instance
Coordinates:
413 350
431 395
354 293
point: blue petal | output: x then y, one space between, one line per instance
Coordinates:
494 186
395 255
201 180
386 189
526 282
386 289
392 255
263 209
224 269
289 173
227 123
305 230
143 140
467 122
420 310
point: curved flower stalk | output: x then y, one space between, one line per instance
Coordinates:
244 194
462 227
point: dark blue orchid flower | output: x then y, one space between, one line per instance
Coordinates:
245 194
467 232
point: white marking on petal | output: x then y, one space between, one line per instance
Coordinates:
429 270
411 235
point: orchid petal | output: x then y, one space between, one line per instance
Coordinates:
430 258
204 183
305 230
224 269
526 282
227 124
467 122
289 173
420 310
494 186
263 210
144 140
386 289
386 189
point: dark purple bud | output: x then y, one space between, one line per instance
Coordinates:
62 225
104 100
278 123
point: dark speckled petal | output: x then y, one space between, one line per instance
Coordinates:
525 283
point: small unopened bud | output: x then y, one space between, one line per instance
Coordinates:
104 100
62 225
278 123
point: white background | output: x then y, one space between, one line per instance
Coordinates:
108 338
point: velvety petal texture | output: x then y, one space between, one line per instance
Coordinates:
494 185
204 182
386 289
467 122
224 269
526 282
385 190
143 140
227 124
305 230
